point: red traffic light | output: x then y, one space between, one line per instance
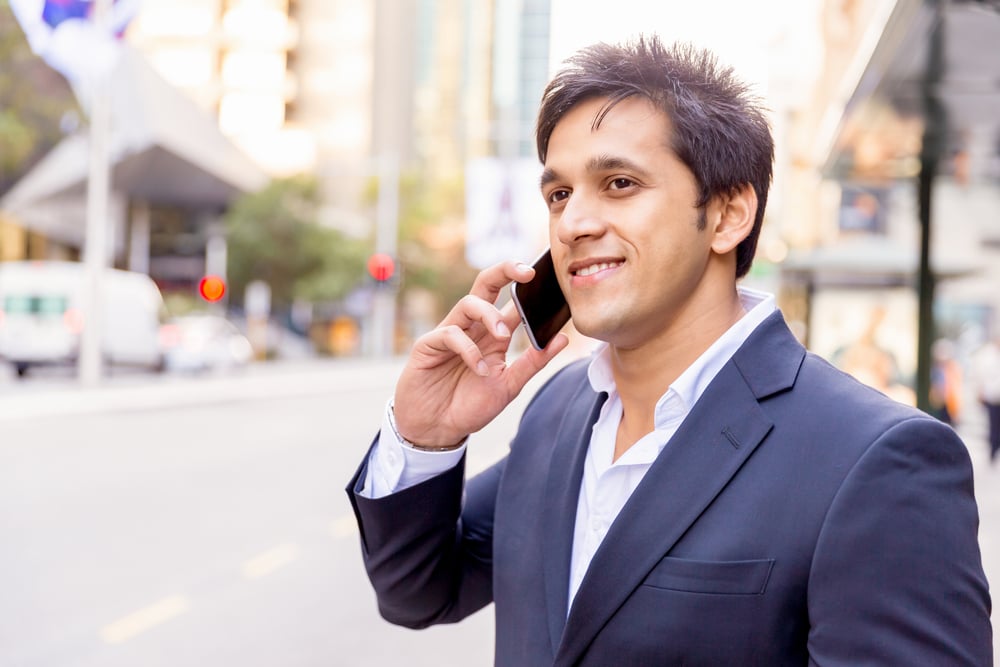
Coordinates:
381 266
211 288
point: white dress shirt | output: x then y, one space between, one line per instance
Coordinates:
606 485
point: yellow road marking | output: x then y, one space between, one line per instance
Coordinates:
270 560
148 617
345 526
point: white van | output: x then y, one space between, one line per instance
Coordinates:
41 315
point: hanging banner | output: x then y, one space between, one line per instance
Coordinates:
505 215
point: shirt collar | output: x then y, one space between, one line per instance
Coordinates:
685 391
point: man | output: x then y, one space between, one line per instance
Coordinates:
702 491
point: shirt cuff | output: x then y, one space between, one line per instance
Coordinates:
393 465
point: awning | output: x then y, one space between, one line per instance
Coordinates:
881 130
164 150
867 261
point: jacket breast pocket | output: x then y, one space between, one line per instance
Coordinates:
736 577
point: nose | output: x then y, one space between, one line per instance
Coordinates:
579 220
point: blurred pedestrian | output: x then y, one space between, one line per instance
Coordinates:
945 397
986 371
702 490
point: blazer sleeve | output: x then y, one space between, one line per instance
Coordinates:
427 549
897 576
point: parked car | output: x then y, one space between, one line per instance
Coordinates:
42 315
203 342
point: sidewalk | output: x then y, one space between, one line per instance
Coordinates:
149 392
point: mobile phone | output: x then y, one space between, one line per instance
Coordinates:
541 303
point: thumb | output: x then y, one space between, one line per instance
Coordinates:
531 361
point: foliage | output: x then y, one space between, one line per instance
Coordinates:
273 235
34 100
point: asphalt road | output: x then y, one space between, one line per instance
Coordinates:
176 521
167 521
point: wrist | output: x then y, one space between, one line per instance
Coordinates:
418 446
432 448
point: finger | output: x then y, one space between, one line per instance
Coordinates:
491 281
471 310
453 338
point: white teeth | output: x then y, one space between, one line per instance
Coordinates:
594 268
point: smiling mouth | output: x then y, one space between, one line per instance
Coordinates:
595 268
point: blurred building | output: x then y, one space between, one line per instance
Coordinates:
359 93
334 87
902 136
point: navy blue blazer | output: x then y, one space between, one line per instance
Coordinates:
797 517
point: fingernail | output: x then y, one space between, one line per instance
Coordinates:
502 330
521 266
482 368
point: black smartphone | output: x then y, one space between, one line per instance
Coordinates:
541 303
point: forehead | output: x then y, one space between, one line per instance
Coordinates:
599 136
633 120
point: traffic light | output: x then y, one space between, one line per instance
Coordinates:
381 267
211 288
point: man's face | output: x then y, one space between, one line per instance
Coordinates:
623 225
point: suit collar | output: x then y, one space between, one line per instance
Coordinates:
770 358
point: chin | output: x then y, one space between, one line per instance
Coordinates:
596 328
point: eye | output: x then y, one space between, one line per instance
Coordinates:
557 196
621 183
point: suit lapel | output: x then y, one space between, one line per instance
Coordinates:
561 496
718 436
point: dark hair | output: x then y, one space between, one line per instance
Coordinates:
719 129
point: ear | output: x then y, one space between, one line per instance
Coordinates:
735 216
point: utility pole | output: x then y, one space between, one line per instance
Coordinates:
383 320
95 249
934 138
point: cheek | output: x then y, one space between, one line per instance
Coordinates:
675 237
670 261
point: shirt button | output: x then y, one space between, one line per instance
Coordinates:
596 524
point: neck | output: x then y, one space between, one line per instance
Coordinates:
643 374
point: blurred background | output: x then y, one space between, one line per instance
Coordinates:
268 200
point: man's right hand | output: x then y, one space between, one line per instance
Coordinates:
457 380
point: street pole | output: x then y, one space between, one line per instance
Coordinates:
216 253
383 320
935 127
97 236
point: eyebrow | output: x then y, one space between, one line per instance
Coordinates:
598 163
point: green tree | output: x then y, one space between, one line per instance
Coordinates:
273 235
35 102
